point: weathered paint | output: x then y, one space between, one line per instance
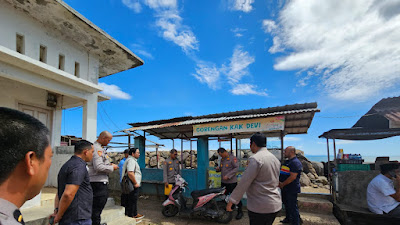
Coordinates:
140 143
153 176
202 162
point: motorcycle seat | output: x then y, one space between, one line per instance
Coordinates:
197 194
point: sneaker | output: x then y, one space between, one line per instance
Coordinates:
138 216
138 220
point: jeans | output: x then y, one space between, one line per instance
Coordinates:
79 222
291 208
131 203
262 218
100 195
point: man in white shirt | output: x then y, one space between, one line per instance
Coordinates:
382 198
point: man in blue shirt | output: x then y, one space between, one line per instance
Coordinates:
74 197
120 165
289 182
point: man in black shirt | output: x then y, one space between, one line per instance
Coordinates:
75 196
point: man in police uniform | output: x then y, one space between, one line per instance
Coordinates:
229 168
99 168
171 168
25 162
260 181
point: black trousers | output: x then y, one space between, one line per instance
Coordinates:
262 218
124 198
100 195
229 190
289 199
131 203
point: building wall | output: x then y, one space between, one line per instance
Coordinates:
13 92
13 22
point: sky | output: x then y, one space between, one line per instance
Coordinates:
213 56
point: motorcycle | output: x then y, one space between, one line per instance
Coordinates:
208 203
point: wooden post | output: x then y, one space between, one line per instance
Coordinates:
282 157
329 166
182 153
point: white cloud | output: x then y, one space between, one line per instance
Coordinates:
242 5
291 139
114 91
133 4
353 45
157 4
141 51
239 64
238 31
208 74
172 29
269 26
247 89
144 53
169 22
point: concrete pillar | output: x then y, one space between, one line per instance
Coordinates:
89 120
202 162
56 126
140 143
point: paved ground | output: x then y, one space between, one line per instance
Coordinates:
151 208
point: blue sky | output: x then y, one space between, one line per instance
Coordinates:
214 56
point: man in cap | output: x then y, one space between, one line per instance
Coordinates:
99 168
229 167
171 168
260 181
25 162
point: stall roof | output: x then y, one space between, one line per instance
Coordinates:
298 119
381 121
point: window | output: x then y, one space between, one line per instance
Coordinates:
20 47
76 69
43 54
61 62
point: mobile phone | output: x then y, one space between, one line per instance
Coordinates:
393 174
51 220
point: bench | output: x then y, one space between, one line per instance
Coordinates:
347 215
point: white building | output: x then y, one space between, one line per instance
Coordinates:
51 58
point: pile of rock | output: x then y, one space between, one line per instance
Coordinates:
312 175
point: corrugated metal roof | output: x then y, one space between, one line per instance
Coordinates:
209 120
298 118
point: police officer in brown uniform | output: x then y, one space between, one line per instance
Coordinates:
229 168
171 168
99 168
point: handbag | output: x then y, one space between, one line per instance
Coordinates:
127 184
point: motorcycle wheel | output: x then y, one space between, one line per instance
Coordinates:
170 210
225 217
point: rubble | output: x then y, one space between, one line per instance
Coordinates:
311 176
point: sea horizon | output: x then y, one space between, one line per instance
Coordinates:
367 158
